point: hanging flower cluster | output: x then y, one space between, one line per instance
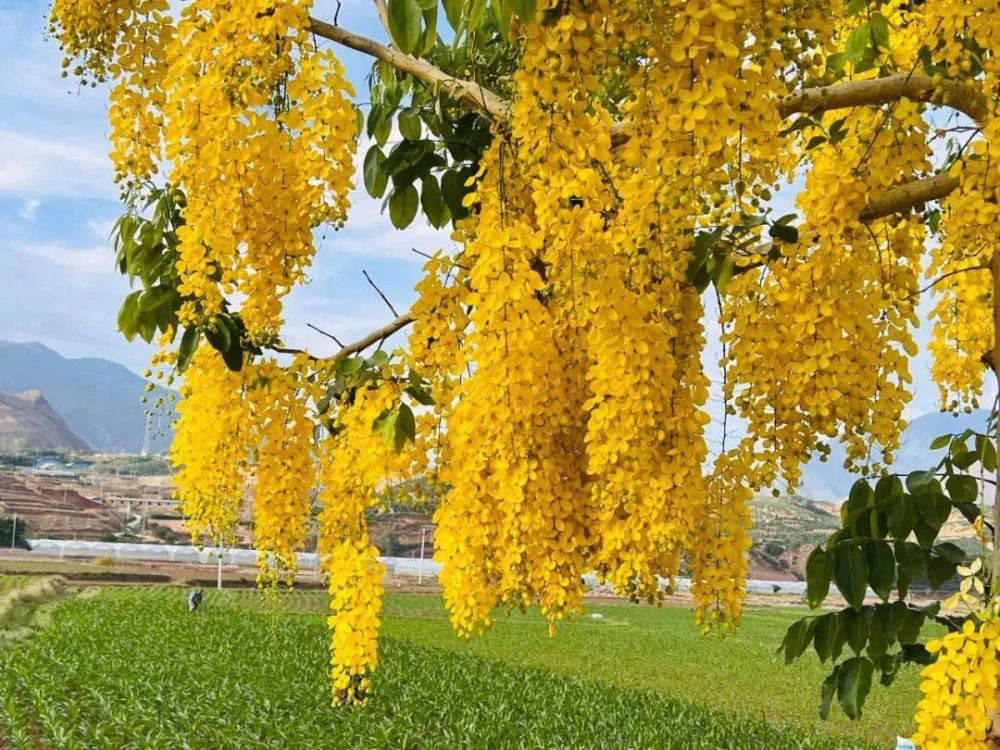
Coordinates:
959 688
255 123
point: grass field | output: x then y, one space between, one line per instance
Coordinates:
132 669
9 583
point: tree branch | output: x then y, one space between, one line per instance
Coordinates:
908 195
383 14
847 94
380 293
472 93
375 336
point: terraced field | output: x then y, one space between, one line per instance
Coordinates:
133 669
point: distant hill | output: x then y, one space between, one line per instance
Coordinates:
98 399
830 481
27 422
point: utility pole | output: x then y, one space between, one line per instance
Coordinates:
420 570
13 532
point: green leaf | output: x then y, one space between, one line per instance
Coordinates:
879 30
378 358
850 572
815 141
856 628
723 274
403 206
375 176
935 509
409 126
477 10
881 568
350 365
128 315
420 395
189 344
218 336
940 442
406 427
433 203
939 571
887 487
525 9
913 621
971 511
819 572
854 682
857 44
918 481
987 453
926 534
385 424
827 692
453 191
829 636
950 552
910 558
453 10
233 357
962 489
404 24
901 516
797 639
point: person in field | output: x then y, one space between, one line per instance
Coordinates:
194 599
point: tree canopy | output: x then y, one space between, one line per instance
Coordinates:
608 170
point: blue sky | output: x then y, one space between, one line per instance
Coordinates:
57 204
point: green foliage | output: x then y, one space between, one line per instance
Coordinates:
83 683
13 535
146 251
148 466
396 425
392 545
889 539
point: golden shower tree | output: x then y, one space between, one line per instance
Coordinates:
608 169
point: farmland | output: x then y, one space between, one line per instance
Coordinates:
132 669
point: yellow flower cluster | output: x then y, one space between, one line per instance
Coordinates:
256 124
959 688
284 470
354 463
838 310
209 448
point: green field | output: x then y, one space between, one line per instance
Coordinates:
132 669
9 583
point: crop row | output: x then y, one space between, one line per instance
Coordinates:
132 669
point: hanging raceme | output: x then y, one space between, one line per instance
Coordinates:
211 447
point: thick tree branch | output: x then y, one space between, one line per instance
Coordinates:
472 93
904 197
848 94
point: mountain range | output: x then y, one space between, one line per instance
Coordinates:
27 421
830 481
98 399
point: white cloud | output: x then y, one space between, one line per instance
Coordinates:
101 228
54 167
29 209
91 260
